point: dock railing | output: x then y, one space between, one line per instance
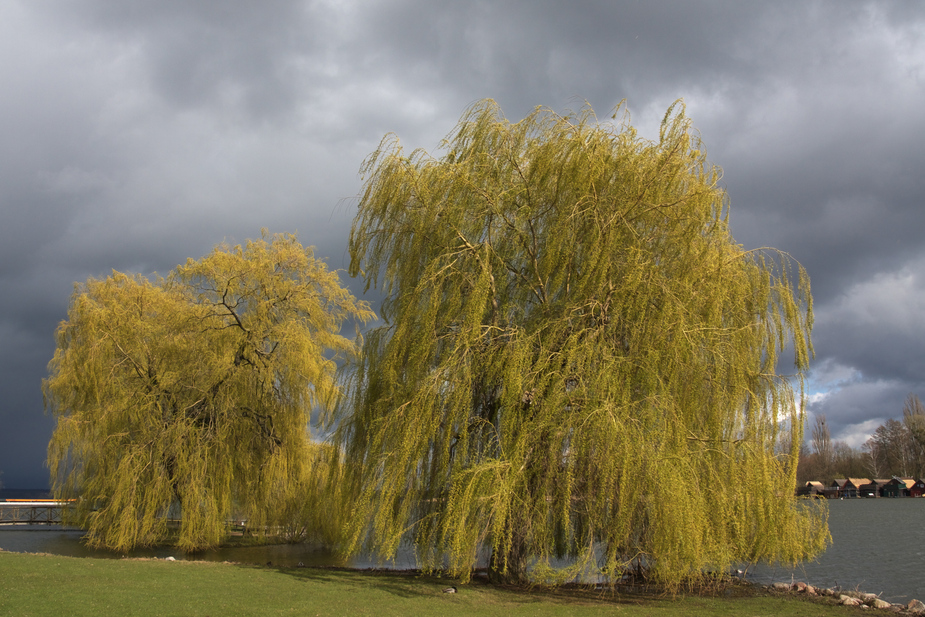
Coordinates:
31 511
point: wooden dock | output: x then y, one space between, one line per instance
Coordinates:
31 511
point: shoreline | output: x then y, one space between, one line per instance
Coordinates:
734 588
183 587
851 597
798 589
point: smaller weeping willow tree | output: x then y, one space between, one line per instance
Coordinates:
192 395
577 361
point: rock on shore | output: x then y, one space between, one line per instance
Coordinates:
850 598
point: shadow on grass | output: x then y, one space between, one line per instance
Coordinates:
399 583
412 583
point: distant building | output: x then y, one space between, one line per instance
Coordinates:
848 488
851 488
917 489
874 488
811 489
899 487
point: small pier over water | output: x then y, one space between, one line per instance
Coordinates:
31 511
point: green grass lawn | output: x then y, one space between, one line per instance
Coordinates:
45 585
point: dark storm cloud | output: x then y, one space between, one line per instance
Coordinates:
546 48
140 133
209 53
876 326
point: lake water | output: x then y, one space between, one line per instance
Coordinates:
57 541
878 547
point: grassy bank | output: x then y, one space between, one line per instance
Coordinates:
33 585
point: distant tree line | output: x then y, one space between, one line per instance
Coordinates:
896 448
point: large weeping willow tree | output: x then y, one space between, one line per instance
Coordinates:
577 363
190 396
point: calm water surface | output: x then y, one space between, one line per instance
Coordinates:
56 540
878 547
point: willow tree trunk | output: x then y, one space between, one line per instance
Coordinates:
510 567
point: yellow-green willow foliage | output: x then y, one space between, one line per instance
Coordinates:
191 396
576 360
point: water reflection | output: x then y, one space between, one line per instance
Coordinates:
56 541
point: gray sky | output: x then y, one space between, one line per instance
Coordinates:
136 134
